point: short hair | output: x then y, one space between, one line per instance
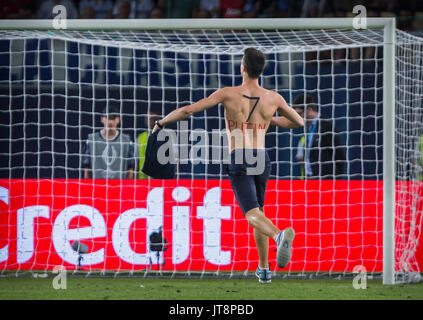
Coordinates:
155 109
304 101
254 62
111 111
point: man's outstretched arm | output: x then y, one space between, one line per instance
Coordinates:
284 123
290 119
185 112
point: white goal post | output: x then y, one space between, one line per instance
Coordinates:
389 80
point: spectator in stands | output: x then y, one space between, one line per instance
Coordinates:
123 10
267 9
103 9
149 121
203 14
18 9
87 13
310 9
139 9
232 8
108 153
211 6
46 9
252 9
319 150
157 13
282 9
260 9
180 8
294 8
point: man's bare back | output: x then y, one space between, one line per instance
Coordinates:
248 112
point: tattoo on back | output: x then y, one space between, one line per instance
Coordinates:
251 98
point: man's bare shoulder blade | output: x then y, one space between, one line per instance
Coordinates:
270 93
272 96
226 91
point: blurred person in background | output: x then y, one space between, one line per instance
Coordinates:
157 13
243 8
212 6
109 153
232 8
320 150
260 9
203 14
18 9
46 9
310 9
179 9
87 13
123 10
149 122
138 9
282 9
103 9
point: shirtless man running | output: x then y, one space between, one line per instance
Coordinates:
249 111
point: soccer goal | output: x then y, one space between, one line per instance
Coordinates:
56 83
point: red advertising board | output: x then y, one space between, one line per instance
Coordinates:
338 224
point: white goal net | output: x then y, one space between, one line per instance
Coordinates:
56 84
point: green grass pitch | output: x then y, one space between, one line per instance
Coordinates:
139 288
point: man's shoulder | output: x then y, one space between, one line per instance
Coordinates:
94 136
272 93
272 97
226 93
125 137
230 90
226 90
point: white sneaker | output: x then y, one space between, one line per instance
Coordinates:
284 243
264 275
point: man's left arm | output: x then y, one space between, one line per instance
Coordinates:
132 163
187 111
283 122
289 117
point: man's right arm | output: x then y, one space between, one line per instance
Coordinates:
290 119
185 112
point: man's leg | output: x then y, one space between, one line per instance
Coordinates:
262 244
262 224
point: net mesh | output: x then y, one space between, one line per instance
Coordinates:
55 84
409 157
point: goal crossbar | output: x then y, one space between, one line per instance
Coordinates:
190 24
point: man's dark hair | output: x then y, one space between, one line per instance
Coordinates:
156 109
254 62
110 112
304 101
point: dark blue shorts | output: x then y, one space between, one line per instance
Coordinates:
249 178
